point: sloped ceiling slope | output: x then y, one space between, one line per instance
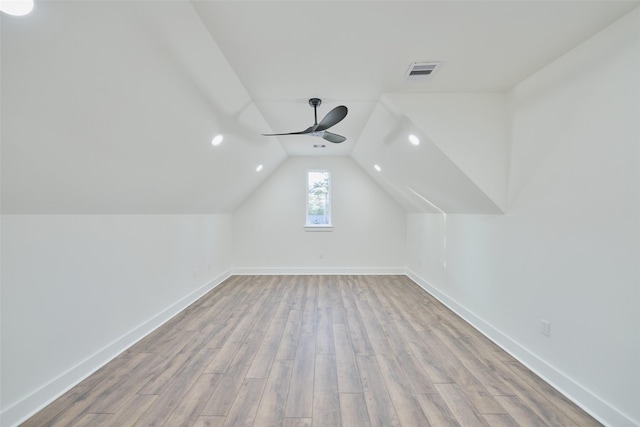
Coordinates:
423 177
110 107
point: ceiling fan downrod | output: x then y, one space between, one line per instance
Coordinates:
315 103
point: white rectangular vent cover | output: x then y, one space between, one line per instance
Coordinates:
421 70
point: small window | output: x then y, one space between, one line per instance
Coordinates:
318 199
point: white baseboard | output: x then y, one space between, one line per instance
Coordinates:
31 404
305 271
592 404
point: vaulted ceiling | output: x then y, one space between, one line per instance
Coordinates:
110 107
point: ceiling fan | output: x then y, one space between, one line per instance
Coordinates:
334 117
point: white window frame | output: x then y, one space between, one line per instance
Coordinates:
309 226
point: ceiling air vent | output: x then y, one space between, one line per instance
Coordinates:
421 70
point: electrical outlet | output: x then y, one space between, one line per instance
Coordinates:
195 273
545 327
321 255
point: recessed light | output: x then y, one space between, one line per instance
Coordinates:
376 167
414 139
217 140
16 7
259 168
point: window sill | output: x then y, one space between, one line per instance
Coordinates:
318 228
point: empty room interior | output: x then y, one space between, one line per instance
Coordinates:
342 213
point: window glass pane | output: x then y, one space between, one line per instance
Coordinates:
318 198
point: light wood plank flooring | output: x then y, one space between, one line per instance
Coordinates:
314 351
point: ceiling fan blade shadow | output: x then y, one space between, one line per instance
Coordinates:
332 118
332 137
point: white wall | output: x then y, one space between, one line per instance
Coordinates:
568 249
79 289
368 234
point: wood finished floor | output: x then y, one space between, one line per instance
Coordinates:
314 351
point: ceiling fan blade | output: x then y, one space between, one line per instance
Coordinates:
279 134
332 137
304 132
333 117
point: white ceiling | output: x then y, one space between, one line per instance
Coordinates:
109 107
352 52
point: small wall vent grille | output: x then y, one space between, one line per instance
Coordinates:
421 70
